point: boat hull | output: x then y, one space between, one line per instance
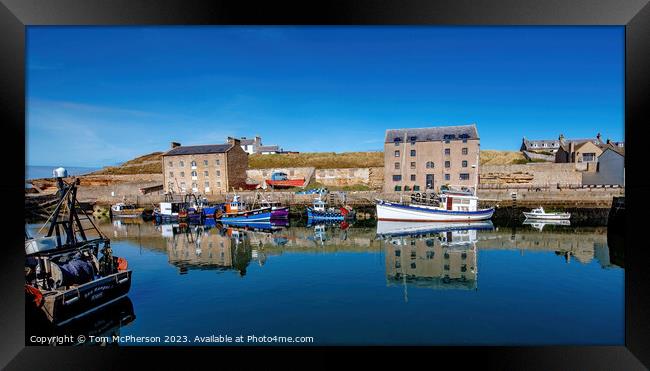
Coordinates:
388 211
247 217
285 183
280 212
317 215
64 306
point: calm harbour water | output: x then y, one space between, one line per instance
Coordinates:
353 286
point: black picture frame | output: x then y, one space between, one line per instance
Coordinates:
15 15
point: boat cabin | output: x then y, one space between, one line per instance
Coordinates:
121 206
458 202
171 208
236 205
319 205
279 176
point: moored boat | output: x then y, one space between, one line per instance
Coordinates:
539 213
124 210
236 211
65 277
451 207
280 180
320 212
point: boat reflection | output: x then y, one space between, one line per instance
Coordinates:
105 322
324 229
431 255
540 224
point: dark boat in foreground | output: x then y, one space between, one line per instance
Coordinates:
65 277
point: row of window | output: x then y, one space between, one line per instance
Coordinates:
430 164
447 138
195 185
193 163
194 173
463 151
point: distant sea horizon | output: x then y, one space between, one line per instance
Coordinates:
40 171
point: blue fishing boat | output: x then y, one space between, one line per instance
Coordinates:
319 211
238 212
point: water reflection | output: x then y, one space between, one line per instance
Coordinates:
105 322
432 255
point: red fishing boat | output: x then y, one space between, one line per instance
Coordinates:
280 180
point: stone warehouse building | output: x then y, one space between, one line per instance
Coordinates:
423 159
205 169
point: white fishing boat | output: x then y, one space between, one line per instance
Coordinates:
539 213
451 207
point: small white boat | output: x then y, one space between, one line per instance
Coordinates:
539 213
453 207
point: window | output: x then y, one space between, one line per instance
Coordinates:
396 153
588 157
430 165
205 162
412 153
464 151
193 163
182 163
447 177
171 163
407 188
447 163
171 174
464 163
430 254
398 252
218 184
218 172
218 161
464 176
397 178
413 265
193 173
447 151
207 184
412 165
398 188
183 185
397 166
416 188
446 267
182 174
205 173
413 140
464 140
397 140
413 177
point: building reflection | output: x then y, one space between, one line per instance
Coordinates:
202 248
431 255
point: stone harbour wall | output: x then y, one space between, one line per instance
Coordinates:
532 174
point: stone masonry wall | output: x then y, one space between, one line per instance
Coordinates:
533 174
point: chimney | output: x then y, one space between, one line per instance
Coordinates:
258 139
234 141
608 141
561 139
598 137
175 144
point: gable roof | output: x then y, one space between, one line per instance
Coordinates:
195 150
246 142
616 149
433 133
268 148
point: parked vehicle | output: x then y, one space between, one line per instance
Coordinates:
280 180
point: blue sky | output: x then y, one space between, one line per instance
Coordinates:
102 95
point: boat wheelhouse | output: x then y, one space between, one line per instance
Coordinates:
319 211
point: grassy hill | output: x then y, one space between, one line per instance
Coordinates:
152 163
